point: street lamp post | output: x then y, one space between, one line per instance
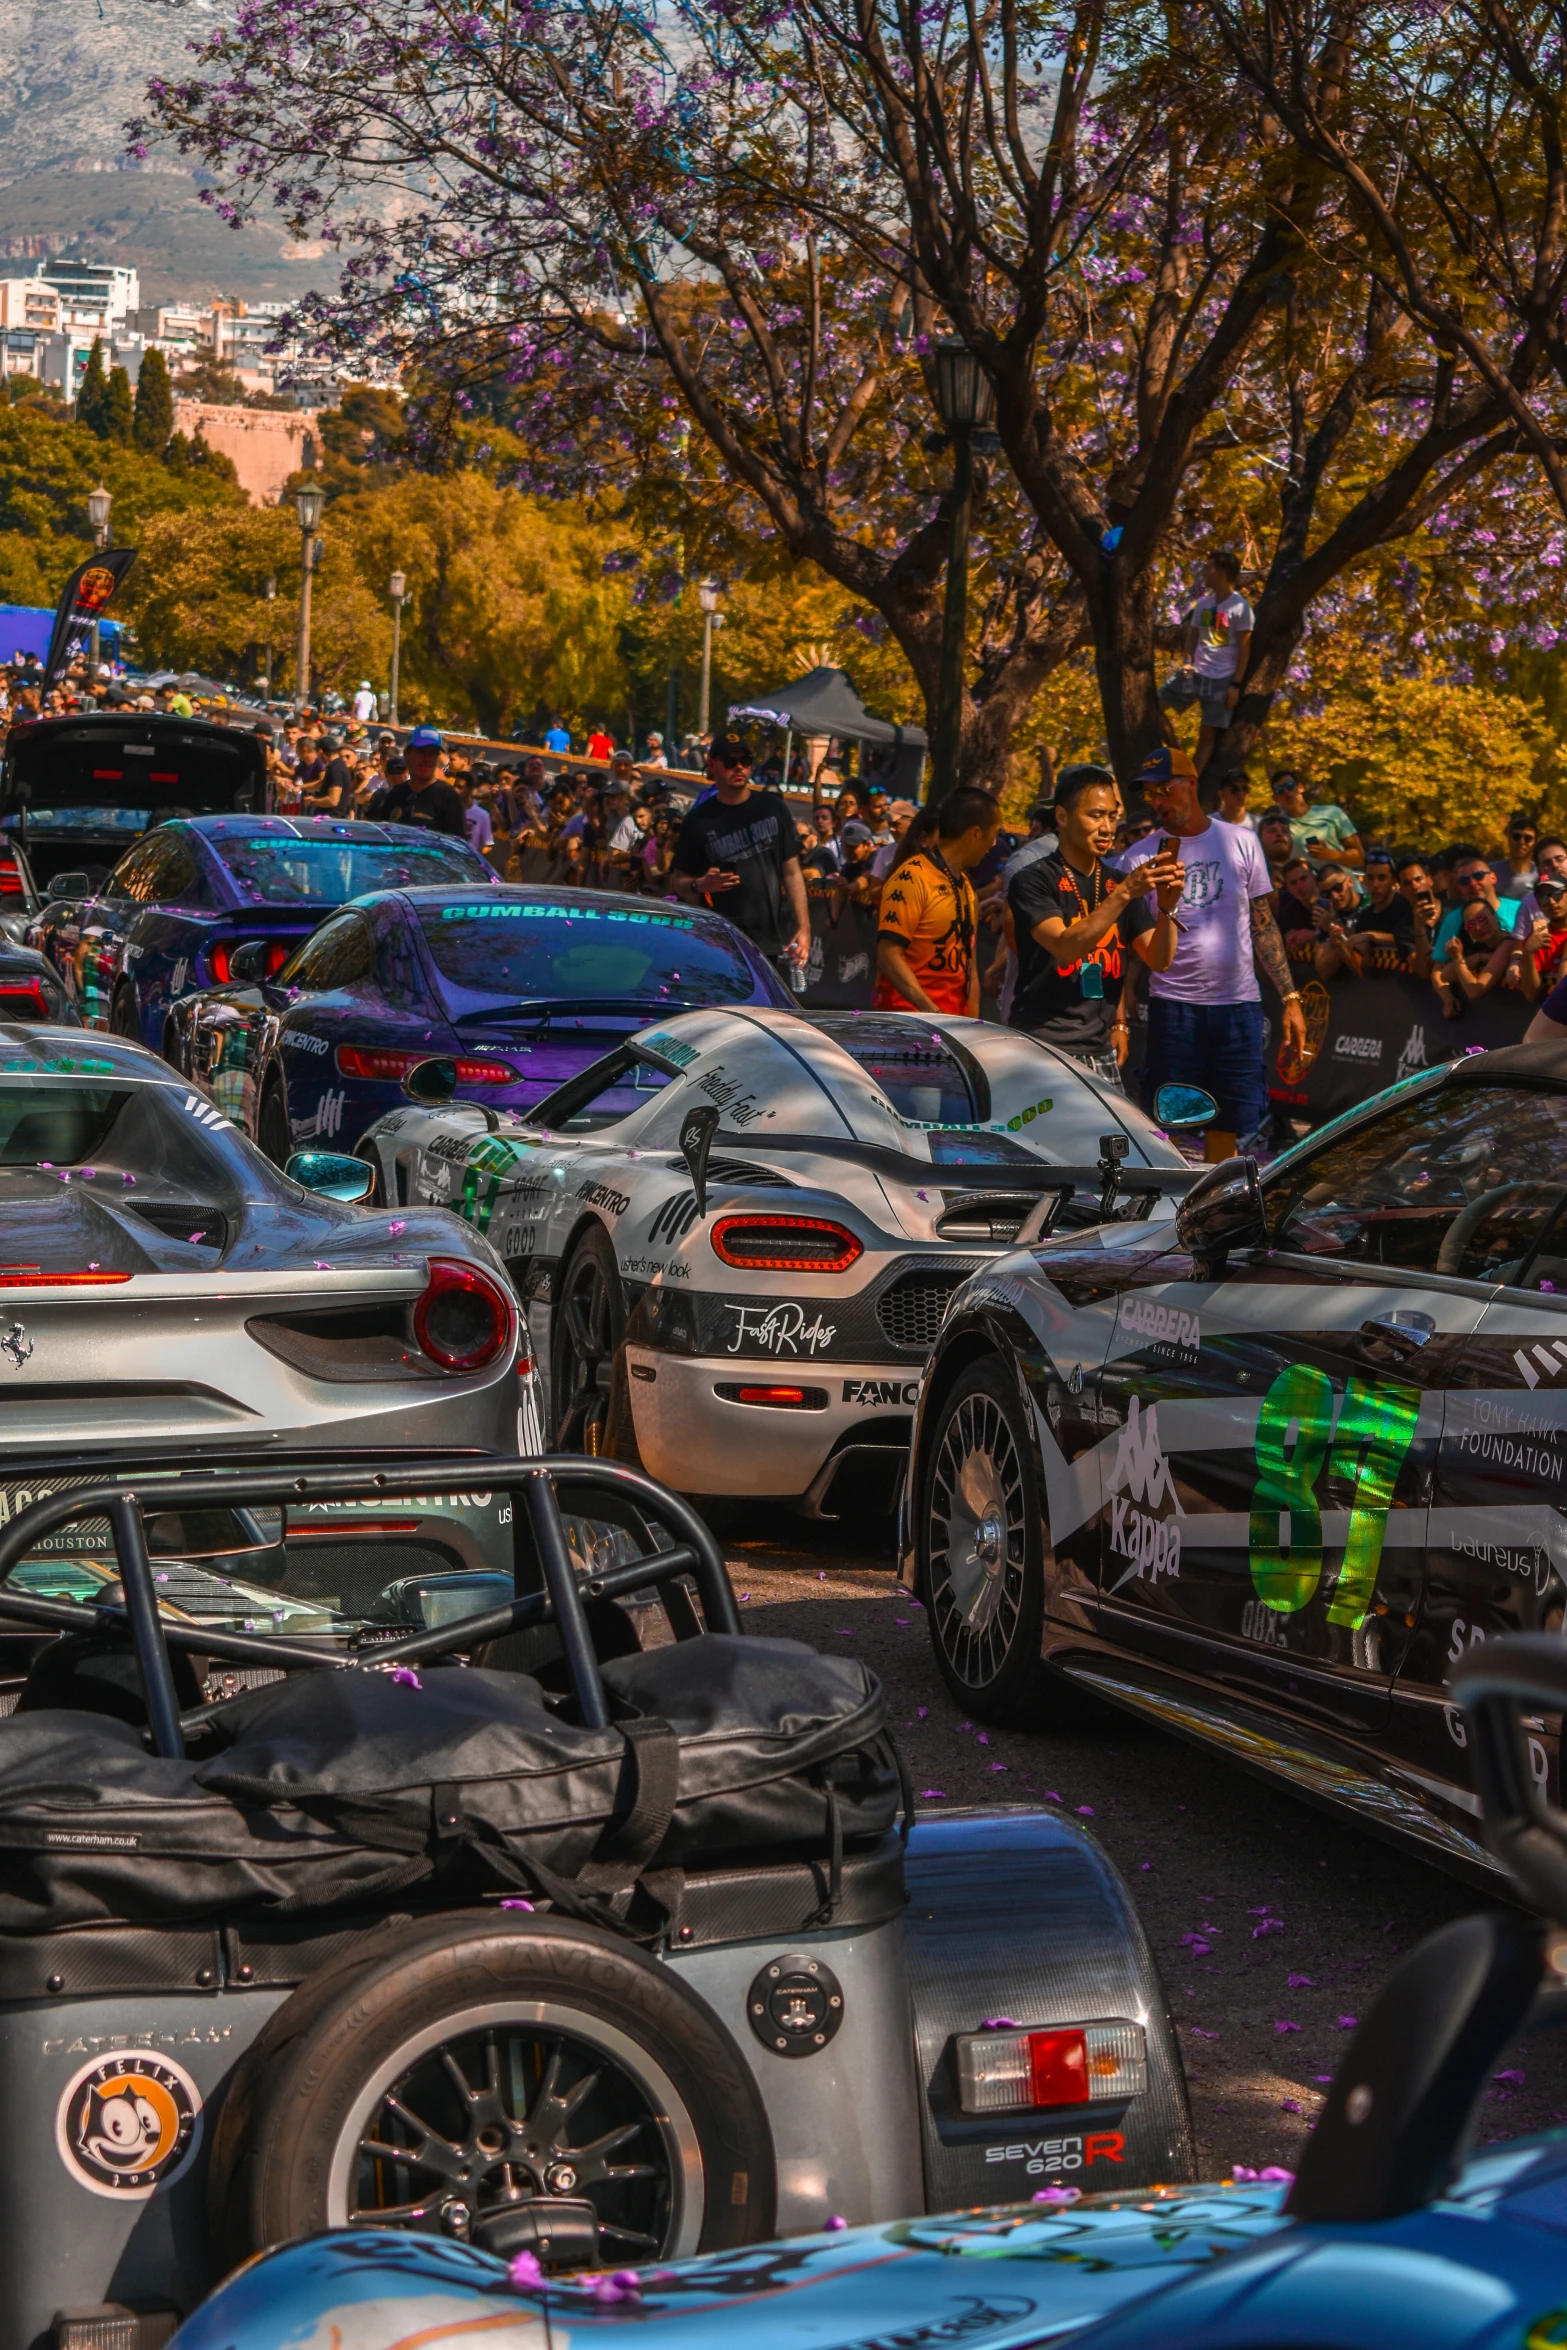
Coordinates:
308 505
271 596
707 595
399 585
98 504
966 400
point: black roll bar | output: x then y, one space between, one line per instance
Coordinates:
693 1552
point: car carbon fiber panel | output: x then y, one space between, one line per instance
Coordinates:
1019 1914
894 1318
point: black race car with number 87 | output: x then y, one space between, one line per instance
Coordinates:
1266 1472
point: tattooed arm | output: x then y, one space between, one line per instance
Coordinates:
1274 964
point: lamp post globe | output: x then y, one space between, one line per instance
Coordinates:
399 587
708 592
98 503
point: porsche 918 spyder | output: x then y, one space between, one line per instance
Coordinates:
746 1306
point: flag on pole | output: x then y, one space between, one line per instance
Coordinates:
84 598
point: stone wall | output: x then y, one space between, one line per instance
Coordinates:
266 444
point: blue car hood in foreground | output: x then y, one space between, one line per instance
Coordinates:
1167 2269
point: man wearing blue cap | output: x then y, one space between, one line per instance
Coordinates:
420 797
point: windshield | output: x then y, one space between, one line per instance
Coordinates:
921 1075
1467 1180
538 950
273 869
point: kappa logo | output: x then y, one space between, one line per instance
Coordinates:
675 1218
177 976
1165 1326
899 1393
204 1112
328 1114
1142 1475
1413 1055
1551 1361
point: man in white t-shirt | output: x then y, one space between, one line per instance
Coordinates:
1217 646
364 702
1205 1017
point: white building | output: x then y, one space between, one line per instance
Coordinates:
92 293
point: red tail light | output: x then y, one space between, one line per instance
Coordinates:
362 1060
221 957
31 1277
23 999
1076 2064
10 882
778 1399
785 1244
464 1320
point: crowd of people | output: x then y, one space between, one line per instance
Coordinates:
1174 891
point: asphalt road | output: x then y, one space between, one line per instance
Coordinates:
1273 1922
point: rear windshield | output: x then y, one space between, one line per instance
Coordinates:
920 1074
274 870
542 952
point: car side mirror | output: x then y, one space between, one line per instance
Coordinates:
332 1175
248 964
431 1082
70 885
1181 1109
1223 1210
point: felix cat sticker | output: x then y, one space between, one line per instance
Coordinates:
129 2124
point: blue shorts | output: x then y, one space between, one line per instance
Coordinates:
1220 1047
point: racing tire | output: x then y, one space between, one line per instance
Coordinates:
590 1407
123 1019
981 1544
511 2064
274 1135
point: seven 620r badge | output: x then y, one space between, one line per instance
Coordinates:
129 2124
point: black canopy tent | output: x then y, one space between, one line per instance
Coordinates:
824 702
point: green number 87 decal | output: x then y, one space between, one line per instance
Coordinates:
1296 1435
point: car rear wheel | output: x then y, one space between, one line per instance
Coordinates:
273 1132
588 1404
983 1544
509 2086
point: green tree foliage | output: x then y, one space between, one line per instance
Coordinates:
119 414
92 401
154 409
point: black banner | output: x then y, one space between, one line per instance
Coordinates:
85 597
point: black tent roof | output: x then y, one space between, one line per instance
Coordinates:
825 702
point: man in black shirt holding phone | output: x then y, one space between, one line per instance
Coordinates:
1073 917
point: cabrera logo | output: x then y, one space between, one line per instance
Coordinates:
1165 1326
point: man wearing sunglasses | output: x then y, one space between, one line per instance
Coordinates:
1474 884
1375 933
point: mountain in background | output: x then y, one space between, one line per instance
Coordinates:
76 70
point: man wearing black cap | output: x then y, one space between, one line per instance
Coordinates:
739 850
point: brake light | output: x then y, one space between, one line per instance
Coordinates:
785 1244
23 999
108 775
221 957
161 775
10 882
1075 2064
778 1399
31 1277
464 1320
361 1060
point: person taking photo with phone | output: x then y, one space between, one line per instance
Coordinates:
1074 920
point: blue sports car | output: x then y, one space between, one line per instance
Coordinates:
1389 2238
521 988
183 902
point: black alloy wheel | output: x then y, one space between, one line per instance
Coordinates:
587 1326
983 1541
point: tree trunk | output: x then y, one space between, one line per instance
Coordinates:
1121 610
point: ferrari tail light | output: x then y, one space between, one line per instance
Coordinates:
33 1277
785 1244
221 957
10 880
22 999
1072 2064
465 1320
362 1060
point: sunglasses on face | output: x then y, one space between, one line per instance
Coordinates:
1471 880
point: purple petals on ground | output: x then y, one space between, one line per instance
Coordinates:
1282 2024
1291 2105
514 1903
1085 1811
1520 2078
1348 2023
1299 1983
933 1795
1272 2175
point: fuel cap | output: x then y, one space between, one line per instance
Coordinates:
795 2005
